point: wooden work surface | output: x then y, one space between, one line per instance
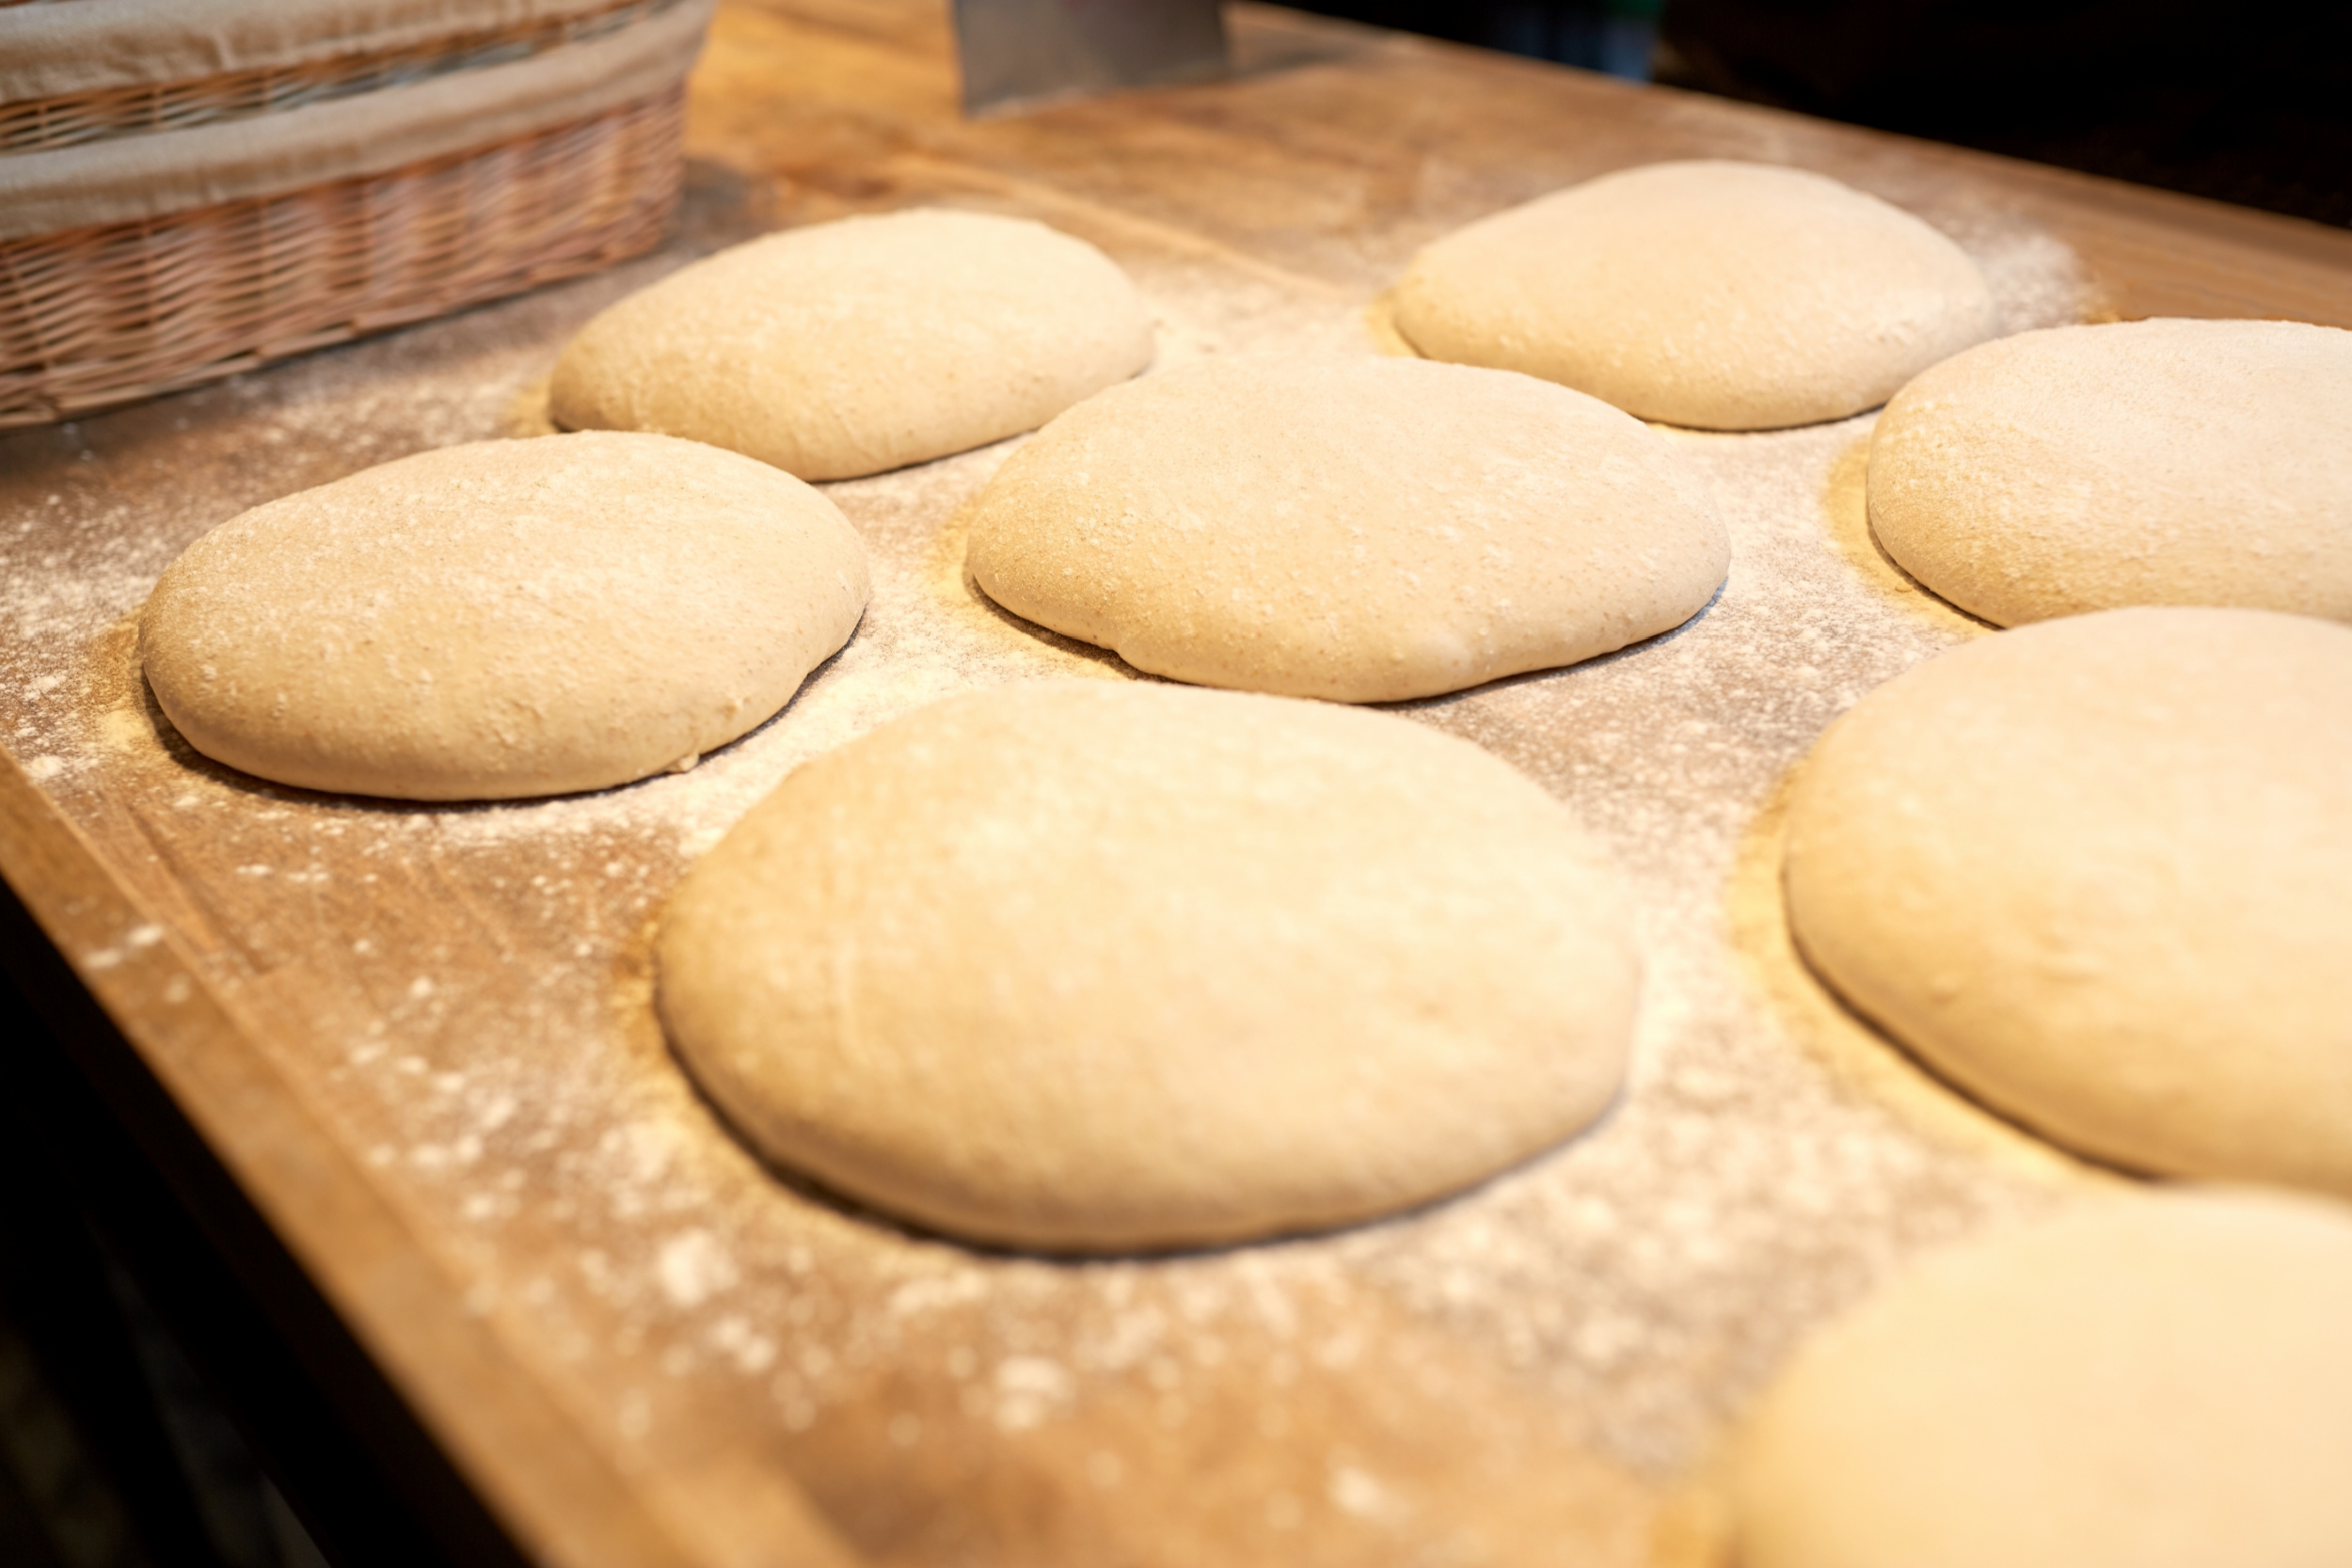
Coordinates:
420 1036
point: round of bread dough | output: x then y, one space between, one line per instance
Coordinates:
2158 1381
1722 295
2098 872
1355 529
504 619
2139 463
1098 966
851 347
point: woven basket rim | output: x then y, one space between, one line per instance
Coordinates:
73 120
52 50
116 313
124 178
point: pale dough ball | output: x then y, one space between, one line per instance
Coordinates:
2098 872
2154 1382
851 347
1722 295
2154 462
1095 966
1361 531
504 619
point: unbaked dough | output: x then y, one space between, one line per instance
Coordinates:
1358 530
2098 872
1093 966
851 347
1724 296
2153 462
503 619
2145 1382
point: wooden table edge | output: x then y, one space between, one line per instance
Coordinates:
562 1500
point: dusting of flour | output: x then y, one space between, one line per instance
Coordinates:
463 995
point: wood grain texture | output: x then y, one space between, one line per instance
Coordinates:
420 1036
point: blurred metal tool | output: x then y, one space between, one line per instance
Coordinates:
1018 51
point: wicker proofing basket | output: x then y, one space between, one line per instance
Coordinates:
106 314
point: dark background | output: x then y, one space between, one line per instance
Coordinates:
2250 104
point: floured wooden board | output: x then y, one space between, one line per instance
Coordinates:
439 1019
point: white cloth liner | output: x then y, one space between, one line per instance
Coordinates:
49 51
129 178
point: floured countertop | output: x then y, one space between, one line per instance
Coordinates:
459 998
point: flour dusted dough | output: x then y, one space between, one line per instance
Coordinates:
1724 296
2098 871
2153 462
504 619
851 347
1093 966
1361 531
2151 1381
